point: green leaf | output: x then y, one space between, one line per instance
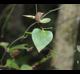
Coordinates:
20 46
11 64
25 67
29 16
41 38
45 20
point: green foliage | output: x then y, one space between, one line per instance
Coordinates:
25 67
41 38
12 64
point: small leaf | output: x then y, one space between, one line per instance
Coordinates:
41 38
11 64
25 67
20 46
45 20
29 16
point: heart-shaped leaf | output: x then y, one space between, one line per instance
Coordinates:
45 20
41 38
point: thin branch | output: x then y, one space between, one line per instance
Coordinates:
36 7
19 38
23 36
30 26
51 11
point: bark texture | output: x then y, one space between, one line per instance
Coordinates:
65 38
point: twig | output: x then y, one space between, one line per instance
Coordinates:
51 11
23 36
30 26
28 29
36 6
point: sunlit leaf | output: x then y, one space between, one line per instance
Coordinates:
25 67
29 16
11 64
41 38
45 20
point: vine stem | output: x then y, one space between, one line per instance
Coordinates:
3 57
30 26
23 36
36 6
51 11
